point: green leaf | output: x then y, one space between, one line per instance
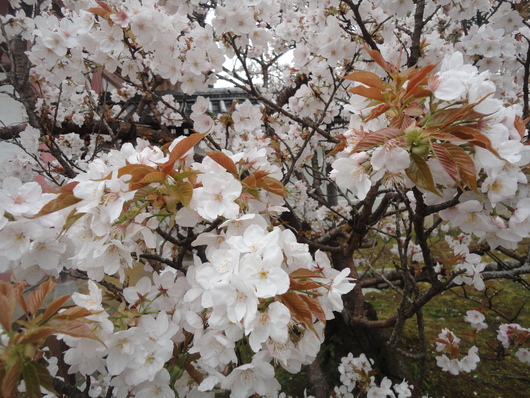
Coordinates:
420 174
45 379
184 192
31 380
154 177
71 219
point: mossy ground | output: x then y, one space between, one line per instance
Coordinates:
498 374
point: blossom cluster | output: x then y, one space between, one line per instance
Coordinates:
447 342
514 334
250 286
356 374
198 244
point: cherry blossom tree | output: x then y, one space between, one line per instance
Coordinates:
209 259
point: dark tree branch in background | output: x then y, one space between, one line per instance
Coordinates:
359 19
415 50
10 132
526 81
69 390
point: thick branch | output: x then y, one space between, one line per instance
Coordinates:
416 35
9 132
526 81
359 19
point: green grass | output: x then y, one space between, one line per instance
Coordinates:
499 374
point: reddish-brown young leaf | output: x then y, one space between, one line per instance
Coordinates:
76 329
62 201
436 134
418 92
369 79
465 165
73 313
197 376
99 11
104 5
7 304
472 136
379 60
37 297
272 185
455 352
68 188
420 174
458 164
443 117
368 92
377 138
304 273
303 285
223 160
55 306
182 147
35 336
377 111
520 125
19 295
401 122
137 171
418 77
315 307
253 179
11 378
445 160
339 147
299 308
413 111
